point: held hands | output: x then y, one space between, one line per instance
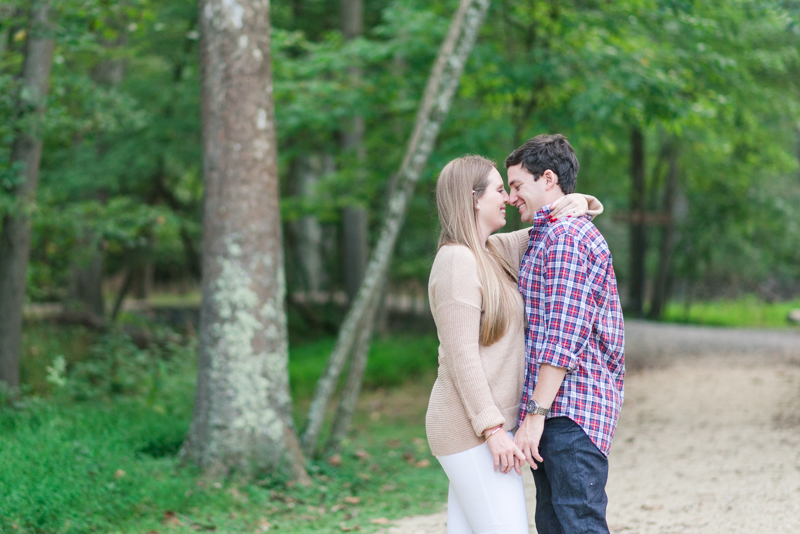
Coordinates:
528 436
572 205
506 454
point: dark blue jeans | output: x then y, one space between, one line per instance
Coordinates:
571 482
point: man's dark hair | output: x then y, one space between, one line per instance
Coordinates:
548 152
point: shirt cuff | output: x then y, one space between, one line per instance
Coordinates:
490 417
558 356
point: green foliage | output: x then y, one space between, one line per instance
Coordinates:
121 169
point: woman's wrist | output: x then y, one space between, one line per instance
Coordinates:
489 432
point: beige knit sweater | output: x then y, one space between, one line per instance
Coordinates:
477 387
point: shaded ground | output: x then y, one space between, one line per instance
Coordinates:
709 437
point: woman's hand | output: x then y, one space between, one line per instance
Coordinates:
506 454
572 205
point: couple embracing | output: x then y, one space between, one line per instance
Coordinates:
531 338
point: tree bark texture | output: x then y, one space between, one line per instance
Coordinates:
664 273
26 151
242 414
638 229
355 251
435 103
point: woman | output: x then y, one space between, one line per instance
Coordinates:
479 318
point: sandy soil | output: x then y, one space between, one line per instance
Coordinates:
708 443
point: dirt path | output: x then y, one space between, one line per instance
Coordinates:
708 443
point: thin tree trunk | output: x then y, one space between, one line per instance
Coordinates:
308 229
436 100
86 276
355 251
86 271
638 229
355 376
664 274
15 237
242 415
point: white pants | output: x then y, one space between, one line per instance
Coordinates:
482 500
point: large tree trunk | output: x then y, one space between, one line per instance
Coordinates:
354 218
15 238
638 228
436 100
242 414
663 278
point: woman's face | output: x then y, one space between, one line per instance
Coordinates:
490 208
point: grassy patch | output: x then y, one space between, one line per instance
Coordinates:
111 465
745 312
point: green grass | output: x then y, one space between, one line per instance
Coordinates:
745 312
111 466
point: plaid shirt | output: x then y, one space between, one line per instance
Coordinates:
574 321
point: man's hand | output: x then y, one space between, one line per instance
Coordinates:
528 436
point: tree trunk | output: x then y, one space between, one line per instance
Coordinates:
664 274
26 151
242 414
86 276
355 376
435 102
638 227
308 229
355 251
86 271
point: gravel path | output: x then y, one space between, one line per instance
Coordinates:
709 437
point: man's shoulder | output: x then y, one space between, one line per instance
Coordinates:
580 231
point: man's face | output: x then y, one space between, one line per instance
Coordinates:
525 193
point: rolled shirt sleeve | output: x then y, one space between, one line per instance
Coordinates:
567 298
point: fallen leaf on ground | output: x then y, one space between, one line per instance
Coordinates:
263 525
361 454
119 473
336 507
170 518
423 463
418 441
352 500
335 460
380 521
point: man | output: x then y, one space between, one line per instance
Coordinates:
574 343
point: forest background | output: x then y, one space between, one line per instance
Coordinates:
685 117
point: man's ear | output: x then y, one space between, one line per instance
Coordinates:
550 179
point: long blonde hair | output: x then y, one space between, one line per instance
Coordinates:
457 216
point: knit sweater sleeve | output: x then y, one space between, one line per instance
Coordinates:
457 294
595 206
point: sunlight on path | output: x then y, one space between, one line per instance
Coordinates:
703 446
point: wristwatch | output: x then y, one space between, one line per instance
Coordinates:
535 408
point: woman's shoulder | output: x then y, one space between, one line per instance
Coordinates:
454 277
455 257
